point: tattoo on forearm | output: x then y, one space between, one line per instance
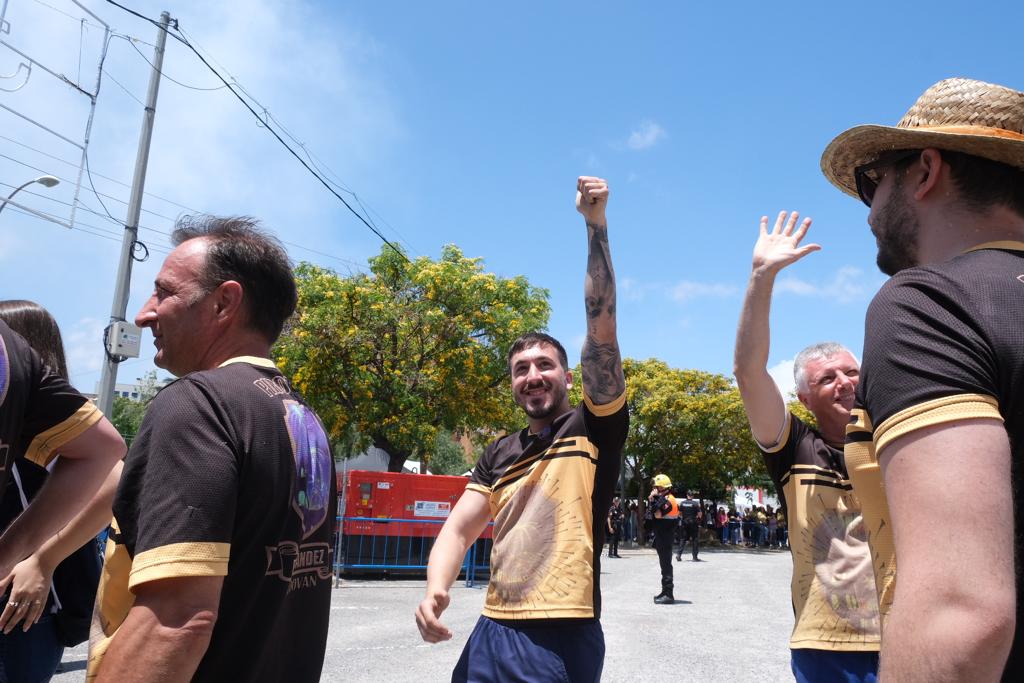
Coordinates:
602 371
600 283
601 360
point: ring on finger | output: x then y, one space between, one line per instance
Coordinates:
12 603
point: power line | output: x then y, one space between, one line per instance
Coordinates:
184 41
127 91
164 74
81 20
108 217
85 207
100 175
298 158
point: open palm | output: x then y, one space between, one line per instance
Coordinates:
777 249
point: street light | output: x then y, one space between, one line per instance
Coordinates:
44 180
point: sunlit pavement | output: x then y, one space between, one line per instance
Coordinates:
730 623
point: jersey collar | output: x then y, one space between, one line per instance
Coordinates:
266 362
1011 245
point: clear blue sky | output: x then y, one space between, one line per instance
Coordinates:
469 122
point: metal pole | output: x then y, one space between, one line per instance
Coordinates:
105 400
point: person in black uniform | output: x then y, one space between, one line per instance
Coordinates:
937 429
614 527
664 516
690 516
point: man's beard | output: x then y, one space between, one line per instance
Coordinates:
896 229
546 409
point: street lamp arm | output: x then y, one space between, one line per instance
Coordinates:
44 180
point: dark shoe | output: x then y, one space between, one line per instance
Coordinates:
679 558
697 559
616 555
664 599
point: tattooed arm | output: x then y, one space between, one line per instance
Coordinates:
603 380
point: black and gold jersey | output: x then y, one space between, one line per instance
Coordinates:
549 495
231 475
39 411
942 343
833 587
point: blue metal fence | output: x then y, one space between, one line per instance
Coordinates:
398 550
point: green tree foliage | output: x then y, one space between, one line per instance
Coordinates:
128 413
690 425
448 456
391 357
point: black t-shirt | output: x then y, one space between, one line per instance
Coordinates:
549 496
688 510
39 413
231 475
615 515
942 343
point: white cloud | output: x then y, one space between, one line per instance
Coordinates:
848 284
646 135
782 373
82 347
687 289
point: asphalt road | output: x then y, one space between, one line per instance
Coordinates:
731 623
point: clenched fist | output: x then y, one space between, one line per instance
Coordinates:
592 198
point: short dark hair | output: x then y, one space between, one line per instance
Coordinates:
239 250
531 339
35 324
984 183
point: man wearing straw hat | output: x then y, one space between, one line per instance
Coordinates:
939 420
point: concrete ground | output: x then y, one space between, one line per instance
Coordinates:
731 623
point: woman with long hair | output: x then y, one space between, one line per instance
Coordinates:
58 581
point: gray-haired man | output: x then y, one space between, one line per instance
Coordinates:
836 635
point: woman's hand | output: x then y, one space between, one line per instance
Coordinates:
30 586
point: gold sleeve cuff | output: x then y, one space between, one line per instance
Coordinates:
178 560
479 488
606 409
783 437
934 412
43 448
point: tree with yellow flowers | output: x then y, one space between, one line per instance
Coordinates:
690 425
392 356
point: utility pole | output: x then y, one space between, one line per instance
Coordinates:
105 400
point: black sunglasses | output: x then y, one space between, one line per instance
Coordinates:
866 185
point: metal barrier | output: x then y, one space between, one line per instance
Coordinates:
404 546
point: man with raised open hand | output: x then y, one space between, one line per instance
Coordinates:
835 637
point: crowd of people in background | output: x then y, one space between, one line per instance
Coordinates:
757 526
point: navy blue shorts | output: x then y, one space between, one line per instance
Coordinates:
814 666
497 653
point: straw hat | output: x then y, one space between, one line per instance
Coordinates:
956 114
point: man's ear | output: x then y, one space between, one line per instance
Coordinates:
568 379
932 169
802 397
227 302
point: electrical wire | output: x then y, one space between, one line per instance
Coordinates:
100 175
327 185
164 74
126 90
82 20
85 207
108 217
